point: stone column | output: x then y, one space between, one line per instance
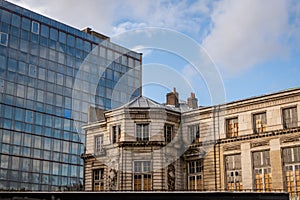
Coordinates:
247 170
276 164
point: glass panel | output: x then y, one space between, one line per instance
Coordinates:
15 163
3 39
35 27
4 161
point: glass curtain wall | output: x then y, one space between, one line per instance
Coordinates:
40 59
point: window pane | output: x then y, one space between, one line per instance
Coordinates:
35 27
3 39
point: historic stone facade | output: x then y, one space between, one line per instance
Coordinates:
247 145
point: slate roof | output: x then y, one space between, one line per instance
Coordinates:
143 102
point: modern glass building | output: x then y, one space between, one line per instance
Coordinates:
50 74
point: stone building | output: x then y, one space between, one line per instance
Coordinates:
246 145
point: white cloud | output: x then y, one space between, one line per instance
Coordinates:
125 26
97 14
238 34
142 49
112 17
246 33
294 31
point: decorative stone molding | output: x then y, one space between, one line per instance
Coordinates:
232 148
290 139
259 143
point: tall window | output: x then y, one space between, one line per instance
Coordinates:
262 171
3 39
232 128
234 172
142 132
98 180
195 175
259 122
142 176
168 133
291 160
35 27
99 145
194 133
290 118
116 133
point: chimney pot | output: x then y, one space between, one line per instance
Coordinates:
192 101
172 98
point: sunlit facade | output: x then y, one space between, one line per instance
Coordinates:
247 145
50 73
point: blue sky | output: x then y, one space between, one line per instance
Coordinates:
253 44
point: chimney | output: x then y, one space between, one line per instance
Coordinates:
172 98
192 101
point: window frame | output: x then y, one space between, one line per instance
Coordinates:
194 133
100 180
235 172
98 145
262 124
291 168
6 39
198 171
143 174
291 124
115 133
264 169
235 133
168 134
33 23
142 134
